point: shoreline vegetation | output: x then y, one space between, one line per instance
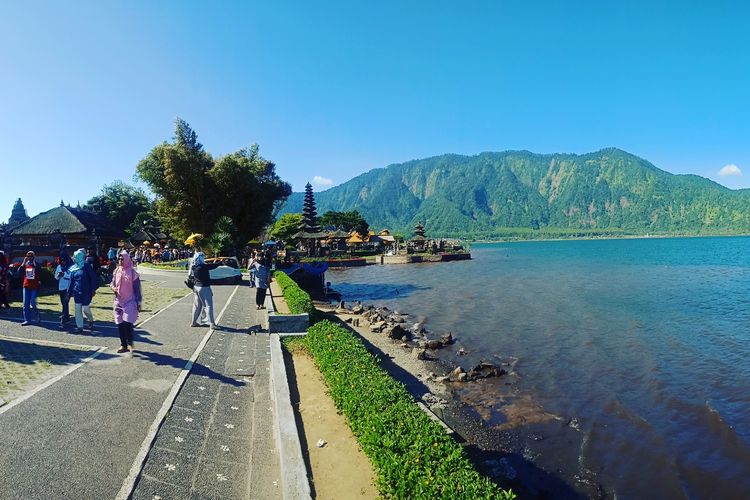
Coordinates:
603 236
412 454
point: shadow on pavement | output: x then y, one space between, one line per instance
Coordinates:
198 369
101 329
28 354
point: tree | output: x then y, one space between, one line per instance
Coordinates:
223 239
345 221
177 173
193 190
143 220
119 203
286 227
249 189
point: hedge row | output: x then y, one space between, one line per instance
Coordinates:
172 264
297 299
412 454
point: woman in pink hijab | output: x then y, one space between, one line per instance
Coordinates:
127 287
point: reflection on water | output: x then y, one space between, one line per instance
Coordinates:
644 342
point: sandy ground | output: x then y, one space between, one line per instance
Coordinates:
340 470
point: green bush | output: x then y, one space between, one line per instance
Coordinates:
173 264
412 454
298 300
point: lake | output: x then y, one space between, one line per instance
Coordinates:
643 344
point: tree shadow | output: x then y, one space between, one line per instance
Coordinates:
108 329
160 359
29 353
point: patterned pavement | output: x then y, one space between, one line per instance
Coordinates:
217 440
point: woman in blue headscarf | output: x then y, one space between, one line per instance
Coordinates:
83 284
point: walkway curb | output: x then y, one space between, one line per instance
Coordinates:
294 481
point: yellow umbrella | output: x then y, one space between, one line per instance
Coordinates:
146 243
193 239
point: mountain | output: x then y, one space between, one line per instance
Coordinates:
518 193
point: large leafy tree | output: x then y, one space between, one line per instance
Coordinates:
193 190
345 221
119 203
250 190
286 227
177 173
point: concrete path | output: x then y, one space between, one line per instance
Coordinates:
218 439
84 435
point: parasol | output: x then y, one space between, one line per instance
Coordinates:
193 239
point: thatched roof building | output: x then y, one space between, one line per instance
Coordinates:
76 225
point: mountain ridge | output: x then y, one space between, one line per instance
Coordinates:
609 191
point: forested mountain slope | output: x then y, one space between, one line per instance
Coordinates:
526 194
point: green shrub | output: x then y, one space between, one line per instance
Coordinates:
298 300
173 264
412 454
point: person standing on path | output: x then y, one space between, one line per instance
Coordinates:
30 269
203 297
262 277
4 282
83 285
126 284
62 275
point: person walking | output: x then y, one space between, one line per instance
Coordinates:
31 281
62 275
83 285
262 278
126 284
203 297
4 282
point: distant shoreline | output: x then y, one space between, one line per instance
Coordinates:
611 237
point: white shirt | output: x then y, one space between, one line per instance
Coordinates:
63 282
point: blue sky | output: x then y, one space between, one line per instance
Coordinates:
333 89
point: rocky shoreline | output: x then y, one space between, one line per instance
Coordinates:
504 432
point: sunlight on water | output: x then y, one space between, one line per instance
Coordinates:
646 342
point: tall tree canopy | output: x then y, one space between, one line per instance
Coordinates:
193 190
286 227
345 221
120 203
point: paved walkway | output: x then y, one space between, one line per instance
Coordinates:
218 438
84 436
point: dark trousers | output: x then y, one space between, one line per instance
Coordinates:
65 303
126 333
260 296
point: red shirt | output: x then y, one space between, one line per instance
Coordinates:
30 275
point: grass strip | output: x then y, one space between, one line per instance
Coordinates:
172 264
412 455
298 300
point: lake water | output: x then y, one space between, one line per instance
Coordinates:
645 343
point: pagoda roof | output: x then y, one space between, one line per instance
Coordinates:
67 220
305 235
338 235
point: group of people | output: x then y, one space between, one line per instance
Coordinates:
77 279
203 302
